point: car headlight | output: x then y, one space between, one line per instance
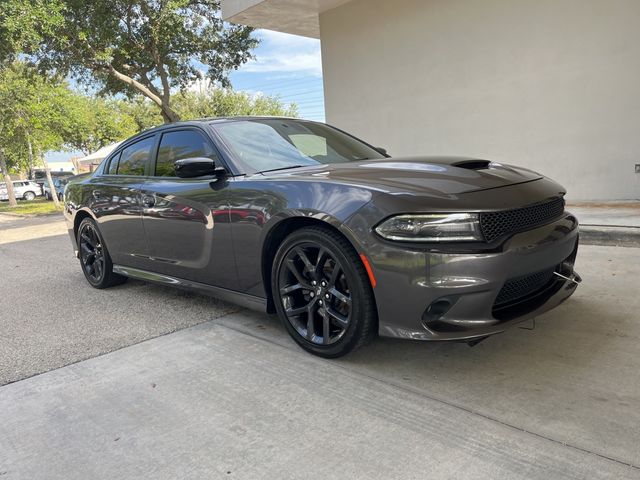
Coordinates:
435 227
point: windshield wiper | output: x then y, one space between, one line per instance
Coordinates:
283 168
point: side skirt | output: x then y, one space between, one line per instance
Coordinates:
231 296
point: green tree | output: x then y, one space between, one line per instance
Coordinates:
221 102
95 122
209 102
24 24
35 114
143 111
148 47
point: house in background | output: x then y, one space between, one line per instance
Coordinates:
553 85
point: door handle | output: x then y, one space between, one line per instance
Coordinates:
97 194
148 201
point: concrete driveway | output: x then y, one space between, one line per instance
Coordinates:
232 396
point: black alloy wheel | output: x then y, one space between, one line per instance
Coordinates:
94 256
322 292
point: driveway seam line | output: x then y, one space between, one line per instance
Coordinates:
213 320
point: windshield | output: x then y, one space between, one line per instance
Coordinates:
272 144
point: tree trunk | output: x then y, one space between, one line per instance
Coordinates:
54 193
76 165
30 158
168 114
7 180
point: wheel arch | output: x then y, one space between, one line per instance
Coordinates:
276 235
77 219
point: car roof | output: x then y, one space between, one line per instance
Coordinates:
207 120
203 121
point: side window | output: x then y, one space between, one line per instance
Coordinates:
178 145
134 158
113 165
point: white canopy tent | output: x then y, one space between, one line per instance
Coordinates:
96 157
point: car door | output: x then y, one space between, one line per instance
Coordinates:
187 220
115 199
18 189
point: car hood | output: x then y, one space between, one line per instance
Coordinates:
417 175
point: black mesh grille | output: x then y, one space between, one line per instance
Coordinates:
497 224
518 288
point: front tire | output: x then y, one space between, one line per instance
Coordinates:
29 196
94 257
322 292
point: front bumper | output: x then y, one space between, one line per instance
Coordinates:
462 288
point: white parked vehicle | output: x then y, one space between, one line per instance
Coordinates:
25 189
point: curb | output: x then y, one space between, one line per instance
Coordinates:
29 215
11 215
610 236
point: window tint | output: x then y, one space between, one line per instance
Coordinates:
178 145
134 158
271 144
310 145
113 165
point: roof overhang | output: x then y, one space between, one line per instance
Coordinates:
299 17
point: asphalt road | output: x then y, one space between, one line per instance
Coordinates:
50 316
233 396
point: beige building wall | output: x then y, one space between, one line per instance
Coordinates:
553 85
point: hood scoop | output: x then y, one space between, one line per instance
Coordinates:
472 164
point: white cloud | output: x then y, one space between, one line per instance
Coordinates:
281 52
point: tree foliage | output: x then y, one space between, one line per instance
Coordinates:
209 102
218 102
95 122
148 47
24 25
34 113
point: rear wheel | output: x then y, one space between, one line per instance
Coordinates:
29 196
322 292
94 257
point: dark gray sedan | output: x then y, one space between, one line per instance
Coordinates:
340 240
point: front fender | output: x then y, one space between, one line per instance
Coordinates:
258 208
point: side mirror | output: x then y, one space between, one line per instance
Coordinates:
383 151
196 167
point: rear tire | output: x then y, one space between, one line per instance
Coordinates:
94 257
322 292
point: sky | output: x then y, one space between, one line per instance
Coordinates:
287 66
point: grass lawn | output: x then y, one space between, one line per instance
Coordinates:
39 206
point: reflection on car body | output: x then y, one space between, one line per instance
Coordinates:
339 239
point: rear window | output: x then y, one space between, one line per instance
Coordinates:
134 158
113 165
